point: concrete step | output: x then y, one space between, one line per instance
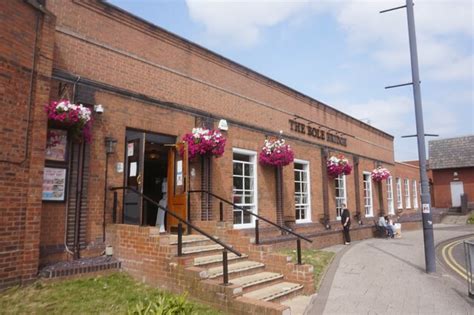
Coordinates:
192 240
239 268
273 292
257 280
215 260
201 249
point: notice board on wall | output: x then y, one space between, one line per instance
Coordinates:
54 184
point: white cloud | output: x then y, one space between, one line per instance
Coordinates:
386 114
442 27
241 22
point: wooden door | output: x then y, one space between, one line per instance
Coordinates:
134 159
178 183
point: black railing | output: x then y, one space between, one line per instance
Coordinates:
259 217
180 229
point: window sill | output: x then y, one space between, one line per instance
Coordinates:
303 221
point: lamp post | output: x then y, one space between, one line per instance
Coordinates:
427 218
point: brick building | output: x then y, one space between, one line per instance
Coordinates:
451 162
154 87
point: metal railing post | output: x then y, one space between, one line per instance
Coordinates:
225 271
257 235
180 239
114 212
221 211
298 250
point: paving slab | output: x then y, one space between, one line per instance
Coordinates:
387 276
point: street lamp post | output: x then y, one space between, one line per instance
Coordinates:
427 216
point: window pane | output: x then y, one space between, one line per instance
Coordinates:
246 169
237 216
238 182
247 218
237 168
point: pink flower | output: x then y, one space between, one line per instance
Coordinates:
204 142
338 165
276 153
379 174
76 118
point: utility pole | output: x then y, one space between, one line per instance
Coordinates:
427 217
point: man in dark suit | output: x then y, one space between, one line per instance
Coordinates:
346 224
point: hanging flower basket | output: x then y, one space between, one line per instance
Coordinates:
275 152
76 118
379 174
338 165
205 142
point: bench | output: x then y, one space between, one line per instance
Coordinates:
380 231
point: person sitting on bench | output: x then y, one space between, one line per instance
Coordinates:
383 224
390 225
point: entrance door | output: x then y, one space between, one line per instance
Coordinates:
132 213
177 184
457 190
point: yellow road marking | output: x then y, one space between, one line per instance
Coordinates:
450 261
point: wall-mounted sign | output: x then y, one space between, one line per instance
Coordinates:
317 133
54 184
56 145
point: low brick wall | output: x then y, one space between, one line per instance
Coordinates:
149 258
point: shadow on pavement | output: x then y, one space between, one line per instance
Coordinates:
398 258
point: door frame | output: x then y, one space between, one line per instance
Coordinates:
145 136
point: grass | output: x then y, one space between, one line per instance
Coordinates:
470 220
319 259
113 294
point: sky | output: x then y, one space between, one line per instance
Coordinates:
343 53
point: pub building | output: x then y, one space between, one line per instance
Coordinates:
146 89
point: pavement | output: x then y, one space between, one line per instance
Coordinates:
387 276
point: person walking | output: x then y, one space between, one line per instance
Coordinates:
346 224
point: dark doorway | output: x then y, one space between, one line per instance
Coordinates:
155 179
146 156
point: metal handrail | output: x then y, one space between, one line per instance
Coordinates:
254 214
189 224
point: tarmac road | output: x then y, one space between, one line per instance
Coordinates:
451 254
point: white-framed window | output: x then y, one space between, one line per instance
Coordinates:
415 194
302 191
407 194
399 193
368 202
244 176
341 195
391 207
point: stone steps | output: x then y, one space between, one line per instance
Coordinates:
215 260
192 240
240 268
257 280
275 291
201 249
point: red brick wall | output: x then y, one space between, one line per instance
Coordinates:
22 141
442 188
132 55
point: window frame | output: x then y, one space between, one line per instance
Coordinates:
306 168
406 184
344 198
398 182
253 161
390 200
366 178
415 194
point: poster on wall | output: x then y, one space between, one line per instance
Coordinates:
56 145
54 184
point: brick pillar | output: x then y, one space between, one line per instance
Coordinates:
279 194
